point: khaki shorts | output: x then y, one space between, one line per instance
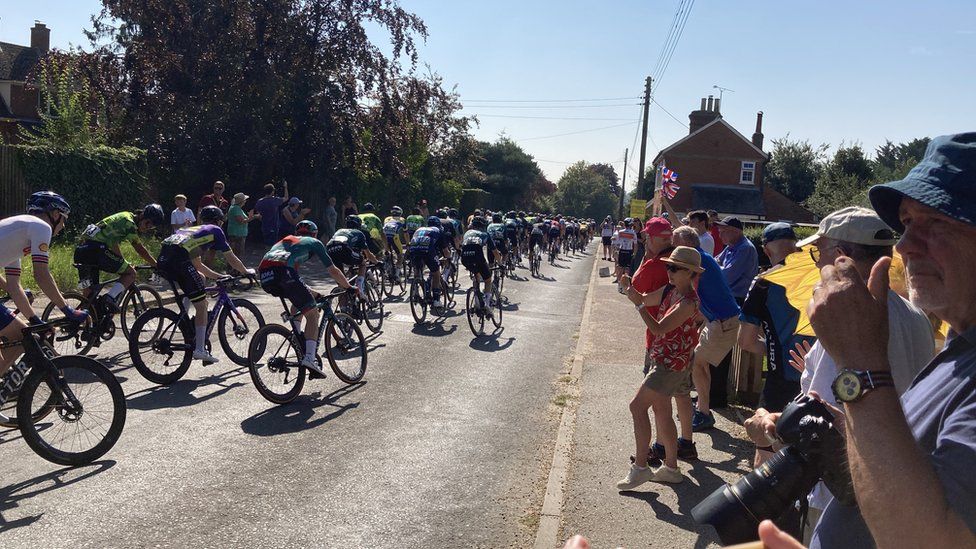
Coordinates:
716 340
665 381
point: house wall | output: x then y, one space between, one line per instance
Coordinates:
23 101
5 92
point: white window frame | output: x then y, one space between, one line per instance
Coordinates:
743 169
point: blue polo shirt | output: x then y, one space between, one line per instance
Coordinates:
740 263
940 408
717 302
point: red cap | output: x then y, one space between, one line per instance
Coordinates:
657 226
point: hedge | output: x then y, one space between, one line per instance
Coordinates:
754 233
97 181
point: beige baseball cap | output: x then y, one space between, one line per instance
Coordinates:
856 225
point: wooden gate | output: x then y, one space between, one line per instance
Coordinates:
14 189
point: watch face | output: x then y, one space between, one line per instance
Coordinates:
847 386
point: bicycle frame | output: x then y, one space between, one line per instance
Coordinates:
36 355
222 300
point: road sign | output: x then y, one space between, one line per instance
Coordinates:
637 208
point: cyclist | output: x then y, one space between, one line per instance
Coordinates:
425 246
571 235
395 231
181 261
372 226
279 277
24 234
496 230
455 216
537 237
351 246
447 225
511 231
473 246
414 222
101 250
553 234
626 239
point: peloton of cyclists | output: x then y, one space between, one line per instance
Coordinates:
351 247
476 240
427 246
395 231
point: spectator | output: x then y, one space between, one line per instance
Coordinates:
670 356
739 260
606 235
423 208
331 217
697 220
215 199
349 207
267 211
717 337
714 232
181 216
291 213
626 238
237 222
652 273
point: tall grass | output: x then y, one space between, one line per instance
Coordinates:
61 264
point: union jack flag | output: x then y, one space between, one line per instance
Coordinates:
668 185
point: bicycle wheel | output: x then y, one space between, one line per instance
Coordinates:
496 317
85 427
275 363
500 275
71 339
476 315
235 331
373 308
388 283
402 277
418 305
8 410
345 347
161 346
138 300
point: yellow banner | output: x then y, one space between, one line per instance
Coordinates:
637 208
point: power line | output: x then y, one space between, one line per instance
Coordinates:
548 117
673 117
576 132
546 100
667 39
549 106
674 43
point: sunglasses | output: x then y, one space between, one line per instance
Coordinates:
675 268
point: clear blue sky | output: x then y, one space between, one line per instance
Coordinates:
826 71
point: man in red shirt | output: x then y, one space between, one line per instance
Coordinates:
215 199
652 273
713 230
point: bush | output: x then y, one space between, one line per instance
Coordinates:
754 233
97 181
61 263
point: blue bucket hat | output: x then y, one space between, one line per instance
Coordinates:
778 231
944 180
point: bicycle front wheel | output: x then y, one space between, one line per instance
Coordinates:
496 317
345 347
90 412
418 305
373 308
71 339
235 328
476 315
161 347
140 299
275 363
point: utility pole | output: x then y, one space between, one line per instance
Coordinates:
643 150
623 187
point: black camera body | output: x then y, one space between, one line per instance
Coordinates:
815 451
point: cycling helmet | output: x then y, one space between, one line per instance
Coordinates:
433 221
354 222
510 215
478 212
306 228
46 201
453 213
368 207
396 211
211 215
154 213
496 218
478 223
442 214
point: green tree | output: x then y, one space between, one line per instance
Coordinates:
891 156
794 167
844 181
67 121
581 192
512 176
607 172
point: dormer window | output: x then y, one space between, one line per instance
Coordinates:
747 174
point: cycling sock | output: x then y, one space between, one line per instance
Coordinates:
115 290
310 347
201 337
361 283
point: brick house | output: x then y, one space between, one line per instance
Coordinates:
18 100
720 169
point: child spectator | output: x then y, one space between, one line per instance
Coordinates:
181 216
237 222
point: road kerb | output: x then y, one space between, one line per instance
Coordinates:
547 536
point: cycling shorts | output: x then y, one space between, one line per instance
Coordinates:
393 242
535 239
606 240
342 255
623 257
175 265
419 258
282 281
95 257
511 235
502 246
473 259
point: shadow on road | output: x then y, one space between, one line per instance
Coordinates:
492 342
434 328
10 495
180 394
299 415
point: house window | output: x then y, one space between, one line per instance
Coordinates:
747 175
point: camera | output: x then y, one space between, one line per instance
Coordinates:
814 451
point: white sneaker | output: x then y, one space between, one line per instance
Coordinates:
667 475
636 477
309 362
203 355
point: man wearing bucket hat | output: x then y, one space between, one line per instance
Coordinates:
670 354
919 450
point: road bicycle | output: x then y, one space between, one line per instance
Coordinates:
394 275
422 297
70 409
275 354
553 252
480 306
73 338
367 307
162 340
535 260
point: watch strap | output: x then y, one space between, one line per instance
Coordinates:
876 378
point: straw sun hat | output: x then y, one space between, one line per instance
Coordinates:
686 257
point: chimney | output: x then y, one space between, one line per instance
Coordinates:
757 138
705 115
40 37
716 109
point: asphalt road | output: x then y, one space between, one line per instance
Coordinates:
447 443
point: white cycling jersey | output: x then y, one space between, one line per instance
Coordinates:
626 239
606 230
22 235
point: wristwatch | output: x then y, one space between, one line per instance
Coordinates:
852 385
